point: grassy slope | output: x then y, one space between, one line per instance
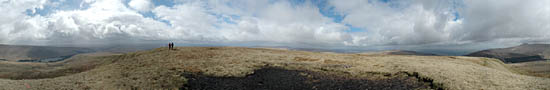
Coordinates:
29 70
160 68
18 52
522 53
534 68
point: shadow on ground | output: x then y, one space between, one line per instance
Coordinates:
281 79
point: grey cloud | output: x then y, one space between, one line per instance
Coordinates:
485 21
403 22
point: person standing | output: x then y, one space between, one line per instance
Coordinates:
170 46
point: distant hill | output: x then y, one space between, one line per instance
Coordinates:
405 52
125 48
400 52
27 52
522 53
18 52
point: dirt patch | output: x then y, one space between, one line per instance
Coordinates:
281 79
191 69
329 61
305 59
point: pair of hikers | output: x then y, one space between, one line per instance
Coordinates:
171 46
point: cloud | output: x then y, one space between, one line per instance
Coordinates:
278 22
401 22
106 21
190 21
395 23
493 20
141 5
13 18
392 23
281 22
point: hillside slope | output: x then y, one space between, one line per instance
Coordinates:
18 52
160 68
34 70
522 53
534 68
400 52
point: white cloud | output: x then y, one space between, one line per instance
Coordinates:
395 23
404 22
277 23
13 19
493 20
141 5
106 21
280 22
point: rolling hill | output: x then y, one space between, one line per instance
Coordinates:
400 52
522 53
20 52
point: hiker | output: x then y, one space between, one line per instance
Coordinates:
170 46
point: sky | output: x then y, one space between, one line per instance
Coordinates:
422 25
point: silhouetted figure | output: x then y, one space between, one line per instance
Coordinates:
171 46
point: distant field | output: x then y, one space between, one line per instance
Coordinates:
36 70
22 52
163 69
534 68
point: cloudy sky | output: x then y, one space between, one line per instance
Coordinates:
374 24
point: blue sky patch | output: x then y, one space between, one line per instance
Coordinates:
328 11
297 2
385 1
354 29
167 3
457 16
150 14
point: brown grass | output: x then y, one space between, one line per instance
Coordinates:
533 68
162 69
191 69
28 70
305 59
330 61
